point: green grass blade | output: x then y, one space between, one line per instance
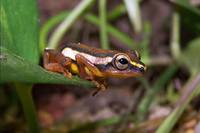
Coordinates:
191 89
133 10
113 31
175 36
158 85
122 37
116 12
186 4
45 29
189 15
68 22
190 56
92 125
103 26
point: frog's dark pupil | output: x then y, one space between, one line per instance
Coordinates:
123 61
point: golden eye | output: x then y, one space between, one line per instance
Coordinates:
137 54
121 62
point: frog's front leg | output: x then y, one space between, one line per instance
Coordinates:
94 72
101 85
56 62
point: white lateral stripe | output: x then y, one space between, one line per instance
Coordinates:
68 52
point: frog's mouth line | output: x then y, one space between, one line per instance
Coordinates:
124 74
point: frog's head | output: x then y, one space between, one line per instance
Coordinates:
125 65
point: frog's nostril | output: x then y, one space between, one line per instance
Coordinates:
142 69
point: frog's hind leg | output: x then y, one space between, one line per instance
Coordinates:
56 62
83 71
83 64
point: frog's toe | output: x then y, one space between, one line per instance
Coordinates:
67 74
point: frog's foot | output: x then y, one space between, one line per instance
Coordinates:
67 74
100 87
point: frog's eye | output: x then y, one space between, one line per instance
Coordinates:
121 62
137 54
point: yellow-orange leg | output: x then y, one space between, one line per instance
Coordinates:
83 62
56 62
101 86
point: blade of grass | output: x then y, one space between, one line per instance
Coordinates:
133 10
186 4
189 15
116 12
25 96
151 93
90 18
191 89
103 26
144 45
46 28
68 22
175 36
190 56
91 126
114 32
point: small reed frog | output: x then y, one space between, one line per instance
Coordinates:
93 64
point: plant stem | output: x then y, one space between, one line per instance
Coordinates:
116 12
46 28
66 24
151 93
103 26
113 31
133 10
190 91
25 96
175 35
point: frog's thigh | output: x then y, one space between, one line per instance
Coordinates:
49 56
51 62
81 66
85 62
65 61
52 56
55 67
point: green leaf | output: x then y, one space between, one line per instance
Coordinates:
17 69
190 56
103 26
19 28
